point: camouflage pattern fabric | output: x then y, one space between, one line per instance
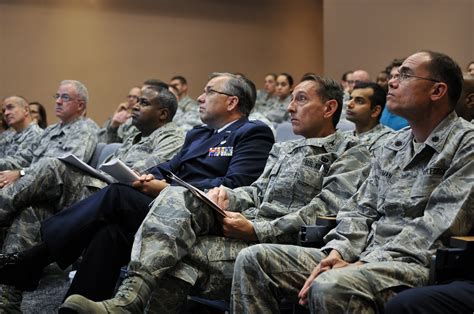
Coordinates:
51 185
375 137
297 173
116 135
411 203
189 119
15 148
142 153
263 102
78 138
186 104
266 273
278 111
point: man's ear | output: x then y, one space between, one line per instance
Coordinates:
233 102
82 106
469 101
376 111
330 108
164 114
438 91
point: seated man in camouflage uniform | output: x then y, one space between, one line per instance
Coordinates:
364 110
419 193
182 243
228 150
56 185
74 134
15 144
187 115
120 127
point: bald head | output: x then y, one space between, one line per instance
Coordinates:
358 76
361 76
465 105
16 112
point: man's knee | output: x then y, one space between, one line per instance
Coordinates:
248 256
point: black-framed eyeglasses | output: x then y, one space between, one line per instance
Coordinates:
210 91
63 97
400 77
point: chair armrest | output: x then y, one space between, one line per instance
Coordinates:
313 235
453 263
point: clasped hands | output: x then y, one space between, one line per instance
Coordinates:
149 185
9 176
332 261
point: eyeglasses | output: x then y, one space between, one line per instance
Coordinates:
401 77
63 97
209 91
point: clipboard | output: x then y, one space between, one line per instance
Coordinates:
198 193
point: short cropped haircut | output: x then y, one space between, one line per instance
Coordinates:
241 87
379 96
165 99
81 89
156 82
396 63
445 69
180 78
22 100
328 89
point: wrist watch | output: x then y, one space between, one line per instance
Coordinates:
22 173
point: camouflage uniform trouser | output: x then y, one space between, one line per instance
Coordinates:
266 273
175 244
48 187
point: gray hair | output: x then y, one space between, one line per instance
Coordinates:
242 88
81 89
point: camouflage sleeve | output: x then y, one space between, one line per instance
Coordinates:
449 212
354 220
165 147
117 135
82 143
251 196
343 178
24 151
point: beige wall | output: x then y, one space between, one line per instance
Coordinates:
111 45
368 34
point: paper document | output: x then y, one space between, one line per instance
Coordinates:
76 162
120 171
115 168
198 193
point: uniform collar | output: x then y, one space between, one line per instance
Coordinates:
436 139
